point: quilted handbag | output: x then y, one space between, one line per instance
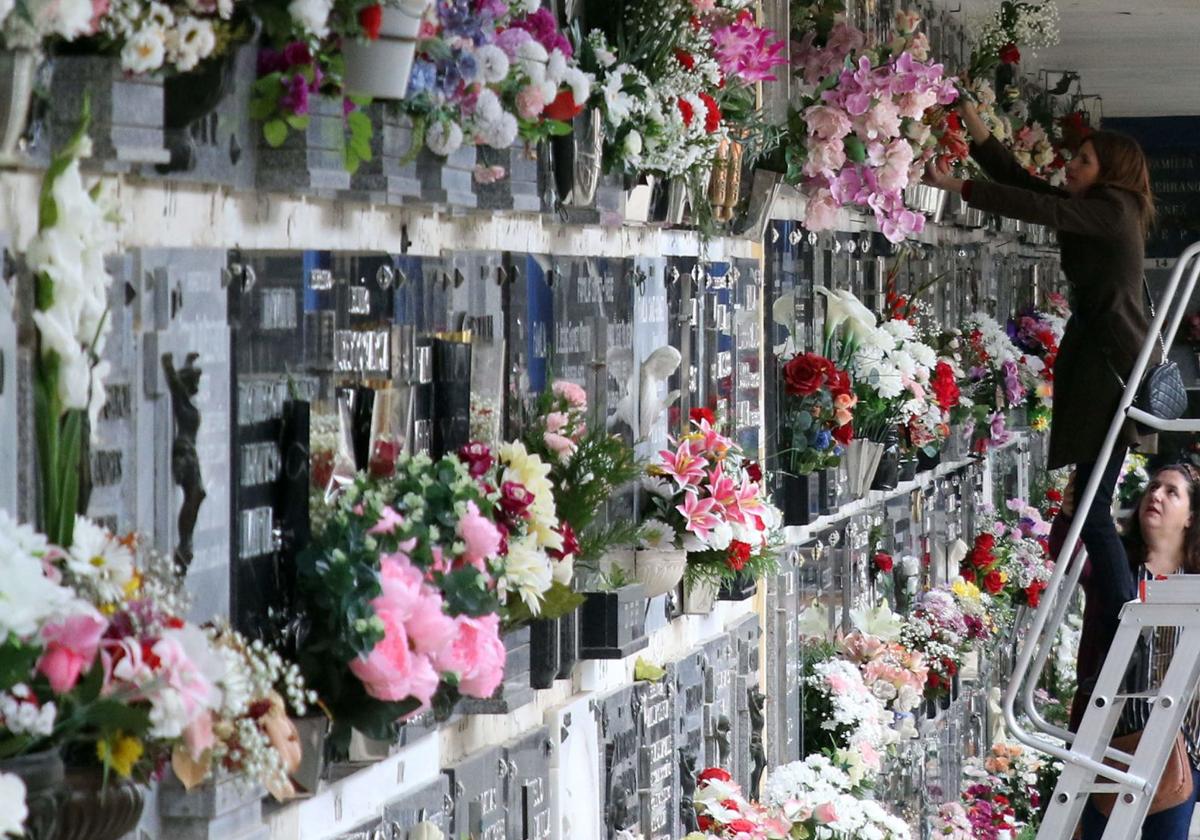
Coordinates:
1162 392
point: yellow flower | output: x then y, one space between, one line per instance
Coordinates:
133 585
121 753
965 590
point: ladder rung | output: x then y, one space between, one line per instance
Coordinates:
1179 589
1136 695
1183 424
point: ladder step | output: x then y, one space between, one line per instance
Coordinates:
1183 424
1179 589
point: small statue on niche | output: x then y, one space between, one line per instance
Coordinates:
687 791
184 384
758 753
724 734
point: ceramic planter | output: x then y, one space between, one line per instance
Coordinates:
17 71
659 570
96 809
381 68
127 111
700 598
42 773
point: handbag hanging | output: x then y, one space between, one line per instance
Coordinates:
1174 786
1162 392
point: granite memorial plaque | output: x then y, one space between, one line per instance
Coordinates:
657 767
620 716
181 301
720 709
477 792
750 749
427 804
8 394
612 624
527 773
690 706
783 642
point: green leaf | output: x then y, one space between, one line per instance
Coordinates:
644 671
297 122
359 123
855 150
557 128
261 108
16 662
275 132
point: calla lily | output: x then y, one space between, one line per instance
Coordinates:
841 306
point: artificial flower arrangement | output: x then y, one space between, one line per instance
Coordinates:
399 596
707 499
941 630
169 36
810 798
674 79
818 400
1010 558
587 465
996 380
100 663
1038 334
860 136
300 60
1008 26
492 71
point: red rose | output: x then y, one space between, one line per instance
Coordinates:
993 583
1033 593
1054 495
754 472
740 826
981 558
1009 54
844 434
968 575
805 374
686 111
477 457
739 555
986 541
564 107
945 388
685 58
698 414
839 382
515 500
951 666
883 561
712 117
383 460
704 822
370 19
714 773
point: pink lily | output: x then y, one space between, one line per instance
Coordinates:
698 514
683 465
724 491
714 441
750 503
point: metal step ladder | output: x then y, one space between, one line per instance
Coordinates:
1173 603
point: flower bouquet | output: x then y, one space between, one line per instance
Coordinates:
995 379
938 629
400 593
860 137
818 400
1038 334
704 499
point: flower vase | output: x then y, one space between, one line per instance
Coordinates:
42 774
659 570
700 597
612 624
187 99
798 496
908 467
827 490
97 809
670 202
18 69
576 160
754 209
944 701
545 640
568 644
887 474
925 462
311 160
314 733
741 588
861 460
127 111
931 708
381 68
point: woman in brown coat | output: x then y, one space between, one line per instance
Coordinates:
1101 217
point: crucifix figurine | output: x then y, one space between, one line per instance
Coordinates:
184 384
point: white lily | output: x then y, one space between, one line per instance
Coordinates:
813 622
880 622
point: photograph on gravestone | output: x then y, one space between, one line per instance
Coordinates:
429 804
179 298
689 720
619 722
527 774
657 768
477 793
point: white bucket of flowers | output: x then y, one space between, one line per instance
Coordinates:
379 65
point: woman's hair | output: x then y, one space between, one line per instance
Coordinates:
1123 165
1135 543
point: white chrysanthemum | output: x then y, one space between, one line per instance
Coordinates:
899 330
191 42
311 15
527 573
100 561
924 355
493 64
444 138
144 52
502 133
580 84
655 533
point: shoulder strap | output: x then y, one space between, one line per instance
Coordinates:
1150 302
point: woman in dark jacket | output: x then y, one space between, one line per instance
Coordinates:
1101 217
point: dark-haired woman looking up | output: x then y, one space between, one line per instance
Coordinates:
1101 217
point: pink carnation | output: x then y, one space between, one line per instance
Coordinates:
391 671
560 445
530 102
556 421
571 392
476 656
821 212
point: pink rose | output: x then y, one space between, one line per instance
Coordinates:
571 392
476 656
401 583
530 102
825 813
881 121
825 157
821 212
827 122
391 671
556 421
429 629
481 537
71 648
561 446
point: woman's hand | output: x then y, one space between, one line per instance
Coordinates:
967 110
937 174
1068 501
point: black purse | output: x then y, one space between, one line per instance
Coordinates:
1162 392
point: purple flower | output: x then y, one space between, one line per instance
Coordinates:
492 8
745 50
297 52
998 432
423 78
511 39
544 29
270 61
348 106
1014 391
296 97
